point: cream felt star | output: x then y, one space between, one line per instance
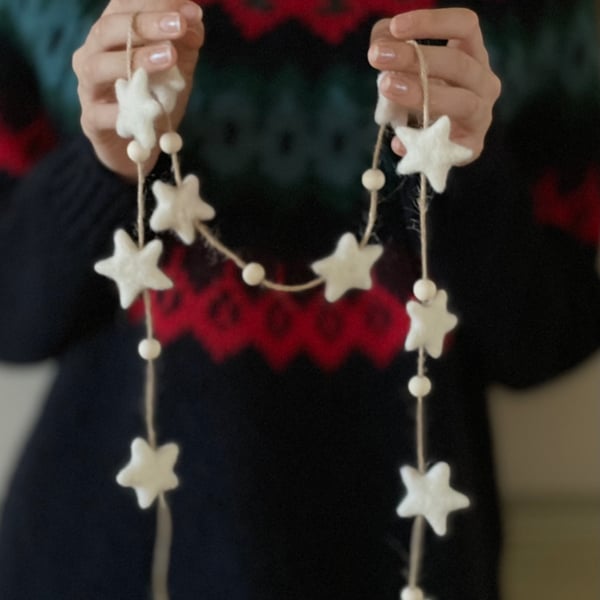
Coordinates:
133 269
137 109
429 324
165 85
149 471
179 207
388 112
431 152
430 495
348 267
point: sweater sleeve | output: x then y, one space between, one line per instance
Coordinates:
527 295
55 223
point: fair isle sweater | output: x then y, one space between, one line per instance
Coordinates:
292 413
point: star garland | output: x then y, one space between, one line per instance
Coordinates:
181 209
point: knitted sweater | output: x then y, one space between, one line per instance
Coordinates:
291 413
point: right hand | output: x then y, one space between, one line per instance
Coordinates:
102 60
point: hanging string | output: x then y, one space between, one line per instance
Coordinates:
417 541
164 527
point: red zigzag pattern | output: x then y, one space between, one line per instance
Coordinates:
331 20
227 317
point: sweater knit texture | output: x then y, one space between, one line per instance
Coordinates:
292 413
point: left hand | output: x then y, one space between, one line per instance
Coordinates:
462 84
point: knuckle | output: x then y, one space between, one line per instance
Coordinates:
496 86
471 105
471 19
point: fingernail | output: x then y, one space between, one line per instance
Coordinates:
401 23
382 54
394 84
191 11
171 23
161 55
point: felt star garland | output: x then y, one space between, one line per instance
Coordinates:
181 209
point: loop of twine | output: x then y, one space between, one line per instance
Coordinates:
164 529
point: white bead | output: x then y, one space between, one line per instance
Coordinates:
170 142
419 386
253 274
137 153
412 593
149 349
373 179
424 290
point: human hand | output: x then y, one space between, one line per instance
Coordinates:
462 84
166 33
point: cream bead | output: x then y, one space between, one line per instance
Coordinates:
412 593
373 179
149 349
253 274
170 142
419 386
424 290
137 153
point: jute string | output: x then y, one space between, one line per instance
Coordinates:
417 541
164 528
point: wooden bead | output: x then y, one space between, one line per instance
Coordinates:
149 349
419 386
424 290
412 593
373 179
170 142
253 274
137 153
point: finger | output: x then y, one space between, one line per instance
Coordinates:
99 118
449 64
459 104
458 25
101 70
111 31
469 114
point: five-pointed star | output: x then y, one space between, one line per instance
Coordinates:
179 207
165 85
149 471
348 267
429 324
430 495
133 269
137 109
430 151
388 112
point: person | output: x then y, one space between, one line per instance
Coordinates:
291 413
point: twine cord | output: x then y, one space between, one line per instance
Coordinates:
417 541
164 525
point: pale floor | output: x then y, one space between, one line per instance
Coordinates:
552 550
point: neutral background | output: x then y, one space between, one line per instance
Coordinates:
548 450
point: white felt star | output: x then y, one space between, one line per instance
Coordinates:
179 207
430 495
149 471
429 324
133 269
388 112
165 85
430 151
348 267
137 109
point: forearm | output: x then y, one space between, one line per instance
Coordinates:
54 224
